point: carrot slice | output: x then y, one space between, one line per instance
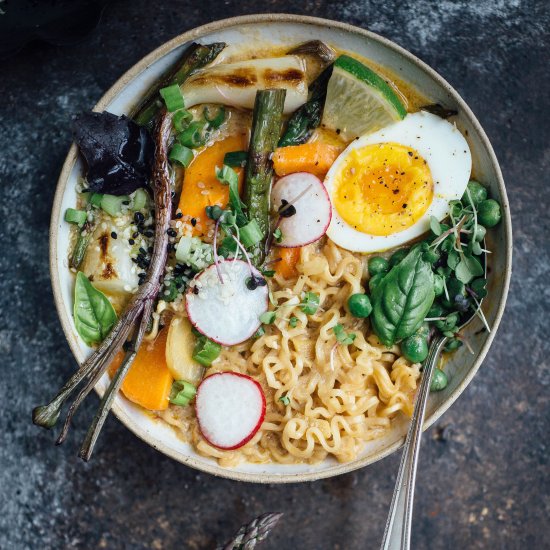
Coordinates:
148 382
200 186
287 265
316 158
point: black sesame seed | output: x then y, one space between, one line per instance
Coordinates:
193 222
139 217
148 233
172 232
113 235
131 241
179 215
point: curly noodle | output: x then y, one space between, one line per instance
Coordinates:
339 396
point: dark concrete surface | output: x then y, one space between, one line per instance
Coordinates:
483 479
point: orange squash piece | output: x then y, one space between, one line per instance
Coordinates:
316 158
200 186
287 265
148 382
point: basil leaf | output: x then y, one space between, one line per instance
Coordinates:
403 298
94 316
468 268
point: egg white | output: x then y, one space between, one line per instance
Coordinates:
448 156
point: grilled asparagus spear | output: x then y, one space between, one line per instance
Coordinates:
266 130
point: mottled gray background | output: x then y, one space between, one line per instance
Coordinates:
483 478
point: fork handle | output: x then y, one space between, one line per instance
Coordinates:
397 535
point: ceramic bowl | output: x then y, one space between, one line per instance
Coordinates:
290 29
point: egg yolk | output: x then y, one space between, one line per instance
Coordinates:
383 188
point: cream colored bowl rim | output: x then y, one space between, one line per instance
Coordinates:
135 72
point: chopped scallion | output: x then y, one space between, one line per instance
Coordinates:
227 175
181 120
173 98
182 393
216 119
181 154
206 351
193 136
260 332
78 217
268 317
236 159
284 399
250 234
95 199
112 204
139 199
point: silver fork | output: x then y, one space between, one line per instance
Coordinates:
397 535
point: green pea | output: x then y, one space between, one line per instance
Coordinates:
414 349
479 233
398 255
439 380
477 193
374 281
488 213
453 345
377 264
423 331
359 305
448 324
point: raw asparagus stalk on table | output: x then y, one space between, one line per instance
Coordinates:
266 130
249 535
194 58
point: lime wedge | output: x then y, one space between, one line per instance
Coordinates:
358 100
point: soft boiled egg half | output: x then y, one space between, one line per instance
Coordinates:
385 186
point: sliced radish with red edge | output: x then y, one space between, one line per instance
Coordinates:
227 313
230 409
313 208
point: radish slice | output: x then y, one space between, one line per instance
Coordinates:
227 313
313 208
230 409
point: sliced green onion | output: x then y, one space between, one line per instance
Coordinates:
193 136
293 321
181 120
182 393
217 119
112 204
173 98
268 272
206 351
259 333
95 199
78 217
284 399
181 154
85 196
278 235
227 175
139 199
250 234
310 303
236 159
268 317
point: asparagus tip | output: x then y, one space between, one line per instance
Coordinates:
46 416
